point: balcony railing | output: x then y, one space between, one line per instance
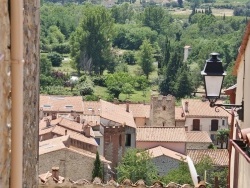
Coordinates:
241 148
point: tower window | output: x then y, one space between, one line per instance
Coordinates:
164 108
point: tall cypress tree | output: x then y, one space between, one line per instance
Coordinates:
97 170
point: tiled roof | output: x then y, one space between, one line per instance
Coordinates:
198 136
159 151
138 110
220 157
91 108
91 120
52 144
74 135
178 113
61 103
160 134
199 108
117 114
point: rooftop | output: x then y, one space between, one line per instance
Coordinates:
160 134
138 110
198 136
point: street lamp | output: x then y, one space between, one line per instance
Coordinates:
214 74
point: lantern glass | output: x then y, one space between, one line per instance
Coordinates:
213 86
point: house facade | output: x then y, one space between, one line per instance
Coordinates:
240 158
199 116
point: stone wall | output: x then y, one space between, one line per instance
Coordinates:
71 164
31 92
5 101
162 111
164 164
195 145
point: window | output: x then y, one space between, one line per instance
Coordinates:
164 108
214 124
196 125
97 141
223 122
128 140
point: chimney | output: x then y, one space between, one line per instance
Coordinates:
47 122
55 172
78 119
127 106
41 115
87 130
186 106
53 116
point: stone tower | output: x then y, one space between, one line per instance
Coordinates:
114 143
162 111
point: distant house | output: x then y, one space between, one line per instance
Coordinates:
199 116
219 157
171 138
72 162
198 140
165 159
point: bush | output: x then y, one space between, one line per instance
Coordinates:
86 89
61 48
99 81
55 58
129 57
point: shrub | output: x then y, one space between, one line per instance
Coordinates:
55 58
61 48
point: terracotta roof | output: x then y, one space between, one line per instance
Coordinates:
138 110
198 136
159 151
242 48
52 144
91 120
117 114
74 135
160 134
220 157
61 103
92 108
178 113
199 108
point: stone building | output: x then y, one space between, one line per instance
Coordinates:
162 111
29 34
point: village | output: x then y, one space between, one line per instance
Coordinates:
71 131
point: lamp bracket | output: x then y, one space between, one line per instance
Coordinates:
240 111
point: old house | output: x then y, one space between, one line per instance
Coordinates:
199 116
171 138
165 159
72 162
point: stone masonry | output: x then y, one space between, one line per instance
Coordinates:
5 101
162 111
31 92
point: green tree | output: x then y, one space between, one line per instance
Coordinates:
97 170
91 42
55 58
136 165
122 13
183 85
45 65
222 137
127 89
146 57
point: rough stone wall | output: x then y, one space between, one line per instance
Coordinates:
31 92
5 101
114 144
193 145
71 164
162 111
164 164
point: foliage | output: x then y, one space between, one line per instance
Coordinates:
97 170
91 42
63 48
45 65
129 57
146 57
55 58
127 88
122 13
131 36
136 165
222 136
